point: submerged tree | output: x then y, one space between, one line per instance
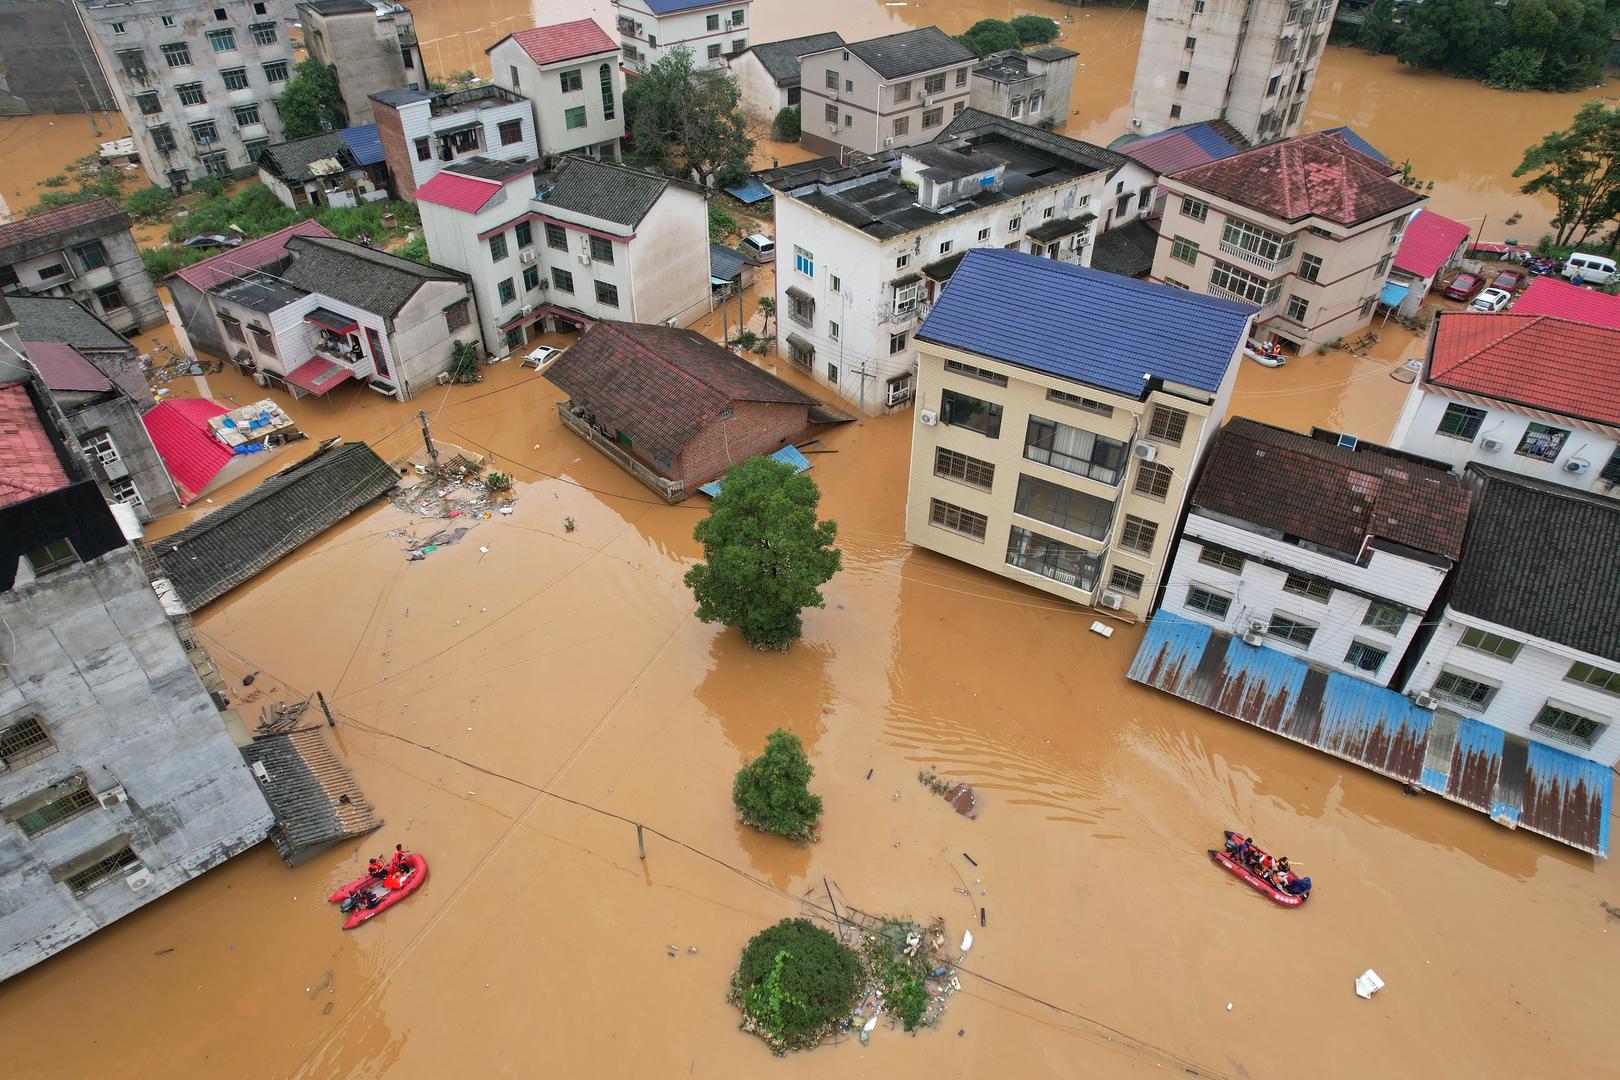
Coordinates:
989 35
1580 168
772 792
795 982
310 103
765 554
686 121
785 128
1378 29
1034 29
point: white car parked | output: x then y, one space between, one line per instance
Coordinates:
1491 300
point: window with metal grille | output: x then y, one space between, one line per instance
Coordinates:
1486 642
1365 657
1460 422
497 247
602 250
457 315
969 470
222 40
1384 617
102 871
975 372
176 54
204 132
1138 534
605 76
149 104
933 118
125 491
1153 480
163 138
1210 603
98 446
1080 402
77 801
1305 585
562 279
1566 725
25 741
246 115
957 519
1463 690
1292 630
264 33
1543 442
191 93
556 237
607 295
511 131
1222 557
1126 581
1167 425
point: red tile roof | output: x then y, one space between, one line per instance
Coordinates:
64 368
468 194
317 375
1328 495
1550 296
1557 365
1315 175
1429 243
179 431
62 219
28 462
253 255
563 41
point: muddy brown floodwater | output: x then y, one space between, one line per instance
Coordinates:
569 663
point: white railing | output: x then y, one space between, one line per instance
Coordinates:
1255 259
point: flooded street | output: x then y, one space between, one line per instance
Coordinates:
513 713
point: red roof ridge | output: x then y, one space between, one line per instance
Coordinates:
618 329
556 42
204 274
58 219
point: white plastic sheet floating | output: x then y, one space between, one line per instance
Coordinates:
1368 983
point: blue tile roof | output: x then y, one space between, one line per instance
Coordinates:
1077 323
665 7
364 143
1350 136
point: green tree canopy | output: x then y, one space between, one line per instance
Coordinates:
686 121
795 981
989 35
310 102
772 792
1580 168
786 125
1453 35
1035 29
1378 30
765 554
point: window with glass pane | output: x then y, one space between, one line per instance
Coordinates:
1243 284
1073 511
52 556
1460 422
969 470
1080 402
523 232
1184 249
222 40
960 410
1297 309
1153 480
556 237
1196 209
235 78
1463 690
176 55
1167 425
1365 657
1542 442
1310 267
191 93
1567 725
1127 581
562 279
957 519
574 118
1137 534
98 446
1257 241
1074 450
263 33
1208 601
607 295
602 250
1063 563
1594 676
804 262
1485 642
1385 617
1292 630
497 247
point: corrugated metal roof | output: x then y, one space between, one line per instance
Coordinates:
1519 782
788 455
364 143
179 431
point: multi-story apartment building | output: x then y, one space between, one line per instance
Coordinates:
370 45
1252 64
570 74
896 90
118 779
1060 414
862 250
85 251
422 132
588 242
196 83
650 29
1305 229
1031 87
1320 546
768 74
1535 395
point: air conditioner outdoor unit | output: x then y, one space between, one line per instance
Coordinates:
1425 700
833 94
112 797
584 258
139 880
1577 465
888 140
927 100
527 257
1136 121
526 309
1113 601
1144 451
1490 446
927 417
1252 638
443 380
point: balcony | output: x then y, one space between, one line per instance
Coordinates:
1257 260
1264 306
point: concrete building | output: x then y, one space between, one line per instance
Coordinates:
768 74
1431 247
46 62
897 90
1530 394
332 311
1529 638
335 168
1030 87
118 779
422 132
1305 229
370 45
1107 391
1251 63
1321 546
570 74
559 250
650 29
85 251
863 250
196 85
672 407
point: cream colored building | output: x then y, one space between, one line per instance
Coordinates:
1305 229
1060 414
896 90
1252 63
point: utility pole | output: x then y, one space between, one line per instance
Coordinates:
427 437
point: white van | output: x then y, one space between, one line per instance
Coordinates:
763 248
1593 269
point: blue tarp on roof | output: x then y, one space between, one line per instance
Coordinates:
1077 323
1358 142
364 143
788 455
1392 294
1517 781
750 193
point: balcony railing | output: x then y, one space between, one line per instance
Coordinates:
1228 294
1255 259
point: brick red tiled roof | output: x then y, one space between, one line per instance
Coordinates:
253 255
660 385
1539 361
1328 495
179 431
28 462
563 41
1550 296
1429 243
1315 175
469 194
39 226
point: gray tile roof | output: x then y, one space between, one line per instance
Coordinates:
313 795
1540 558
1126 250
976 120
911 52
374 280
726 263
781 58
65 321
292 160
219 551
611 192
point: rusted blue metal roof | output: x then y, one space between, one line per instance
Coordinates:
1518 782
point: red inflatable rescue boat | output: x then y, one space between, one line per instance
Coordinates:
1225 860
415 874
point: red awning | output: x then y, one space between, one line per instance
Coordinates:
318 375
340 324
